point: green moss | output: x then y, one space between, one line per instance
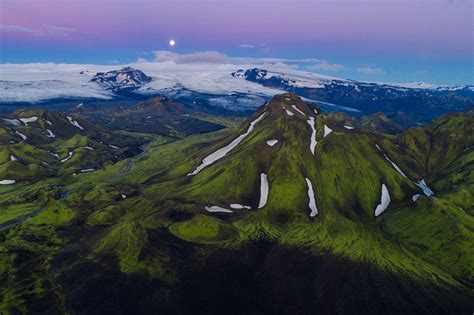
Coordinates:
107 216
203 229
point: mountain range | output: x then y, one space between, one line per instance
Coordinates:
293 210
243 90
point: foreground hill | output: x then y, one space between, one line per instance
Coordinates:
292 212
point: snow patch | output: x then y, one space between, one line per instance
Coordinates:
313 142
87 170
223 151
327 131
298 110
395 166
415 197
218 209
384 201
50 134
123 196
113 146
14 122
348 127
49 123
289 113
272 142
74 122
21 135
312 200
69 155
29 120
239 206
12 158
7 181
263 190
426 190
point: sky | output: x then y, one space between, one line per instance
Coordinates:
372 40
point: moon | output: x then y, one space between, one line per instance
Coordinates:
172 43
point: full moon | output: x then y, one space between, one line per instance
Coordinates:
172 43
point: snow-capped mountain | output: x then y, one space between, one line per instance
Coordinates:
123 79
289 79
226 89
421 101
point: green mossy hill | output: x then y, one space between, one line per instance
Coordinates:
347 169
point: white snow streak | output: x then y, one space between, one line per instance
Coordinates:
395 166
69 155
50 134
312 199
313 142
239 206
384 201
289 113
415 197
263 190
218 209
298 110
74 122
7 182
21 135
12 158
223 151
348 127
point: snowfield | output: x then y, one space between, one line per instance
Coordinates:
46 81
384 201
223 151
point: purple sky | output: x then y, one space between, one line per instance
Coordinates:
393 40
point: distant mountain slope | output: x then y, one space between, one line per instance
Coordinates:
420 102
37 144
